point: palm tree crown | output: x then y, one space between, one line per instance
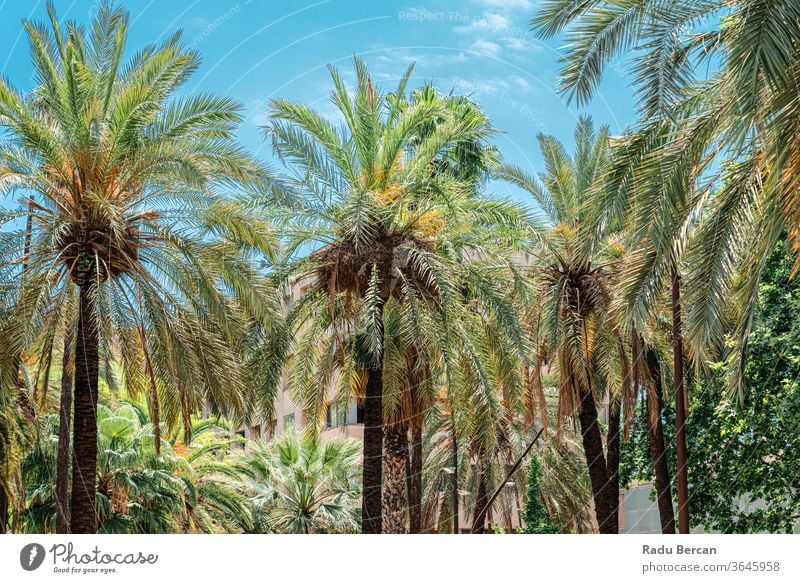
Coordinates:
123 182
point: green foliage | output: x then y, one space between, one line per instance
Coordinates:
298 484
537 519
751 452
138 491
294 484
743 457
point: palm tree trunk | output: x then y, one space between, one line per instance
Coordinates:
18 508
612 456
596 463
372 475
395 446
84 441
186 414
415 482
155 415
680 404
479 514
3 509
456 510
64 430
28 235
658 450
408 486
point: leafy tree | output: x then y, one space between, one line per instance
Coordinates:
746 455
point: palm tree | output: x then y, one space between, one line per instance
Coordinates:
64 430
124 181
577 271
469 161
299 484
742 110
388 227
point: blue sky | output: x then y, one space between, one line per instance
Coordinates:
255 50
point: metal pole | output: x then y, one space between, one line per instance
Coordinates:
510 474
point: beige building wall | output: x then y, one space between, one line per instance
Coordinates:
288 415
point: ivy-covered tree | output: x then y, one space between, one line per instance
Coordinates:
537 519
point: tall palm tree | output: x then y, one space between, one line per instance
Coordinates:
124 180
64 430
382 225
469 161
716 81
577 271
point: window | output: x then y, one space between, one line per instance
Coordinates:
336 414
288 422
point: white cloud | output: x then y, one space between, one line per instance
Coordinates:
491 86
487 86
507 33
520 83
486 47
398 60
520 44
488 23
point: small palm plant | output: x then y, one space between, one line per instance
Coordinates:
139 491
123 182
299 484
